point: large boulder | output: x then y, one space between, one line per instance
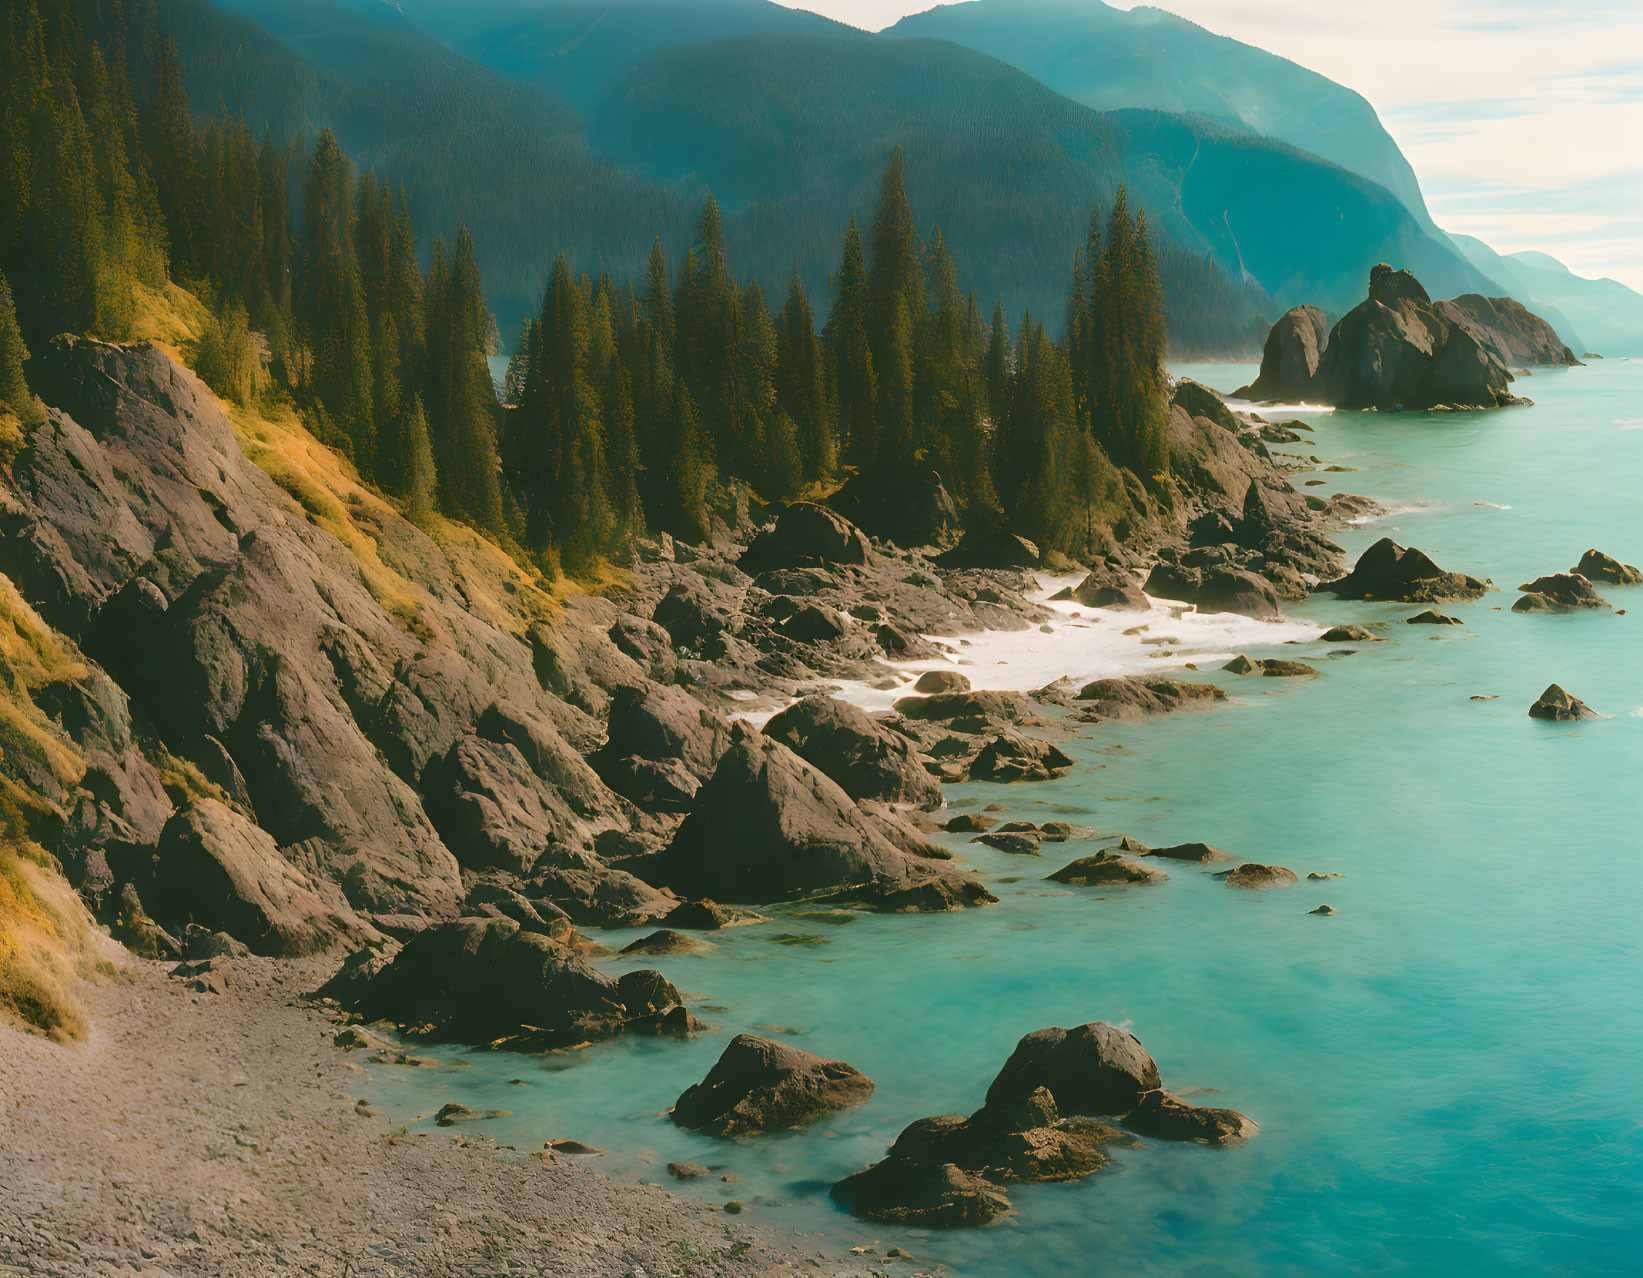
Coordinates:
214 868
1558 705
1594 565
1010 756
1130 698
481 980
758 1086
974 712
1200 401
1106 869
1214 588
807 534
1392 572
1569 590
1290 359
770 827
990 547
1111 586
1090 1069
660 746
1255 876
865 758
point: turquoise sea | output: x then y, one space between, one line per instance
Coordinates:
1448 1075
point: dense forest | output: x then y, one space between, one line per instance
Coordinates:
631 405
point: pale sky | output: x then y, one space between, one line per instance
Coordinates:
1523 118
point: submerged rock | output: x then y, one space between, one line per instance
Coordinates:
1396 573
1271 667
1251 874
1557 704
1105 869
1167 1117
1137 698
760 1086
1431 617
1015 842
1350 634
665 942
1202 853
1594 565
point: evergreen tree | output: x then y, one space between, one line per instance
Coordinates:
801 391
850 352
14 391
622 459
416 467
461 399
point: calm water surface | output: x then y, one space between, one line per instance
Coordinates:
1448 1075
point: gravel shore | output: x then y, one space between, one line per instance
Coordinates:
199 1133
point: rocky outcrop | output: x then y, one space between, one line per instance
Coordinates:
1392 572
1289 361
1271 667
1399 353
214 868
1508 330
770 827
1558 705
1111 586
1196 578
660 745
758 1086
1010 756
1041 1122
483 980
991 548
1594 565
867 760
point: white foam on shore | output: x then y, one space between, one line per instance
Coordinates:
1079 643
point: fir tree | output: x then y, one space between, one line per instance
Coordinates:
850 352
801 391
14 391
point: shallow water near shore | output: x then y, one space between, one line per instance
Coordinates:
1446 1074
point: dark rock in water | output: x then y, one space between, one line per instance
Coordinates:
866 759
1594 565
594 894
1135 698
481 980
709 916
759 1086
1199 400
1350 634
1274 668
770 827
1557 704
1240 665
1127 844
1167 1117
1202 853
1291 356
1392 572
574 1148
688 1171
1254 875
1398 352
1013 757
932 682
1018 827
1090 1069
214 867
1218 588
919 1194
1540 604
990 548
969 823
665 942
1324 909
1569 589
1061 831
807 534
1015 842
1106 869
451 1113
1432 618
1508 330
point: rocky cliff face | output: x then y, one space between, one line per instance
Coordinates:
286 713
1400 351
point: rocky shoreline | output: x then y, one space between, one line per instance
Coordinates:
312 730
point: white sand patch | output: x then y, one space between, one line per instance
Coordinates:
1082 644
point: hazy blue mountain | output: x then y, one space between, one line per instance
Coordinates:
1111 58
1605 314
1007 166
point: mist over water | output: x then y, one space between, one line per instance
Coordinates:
1446 1074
